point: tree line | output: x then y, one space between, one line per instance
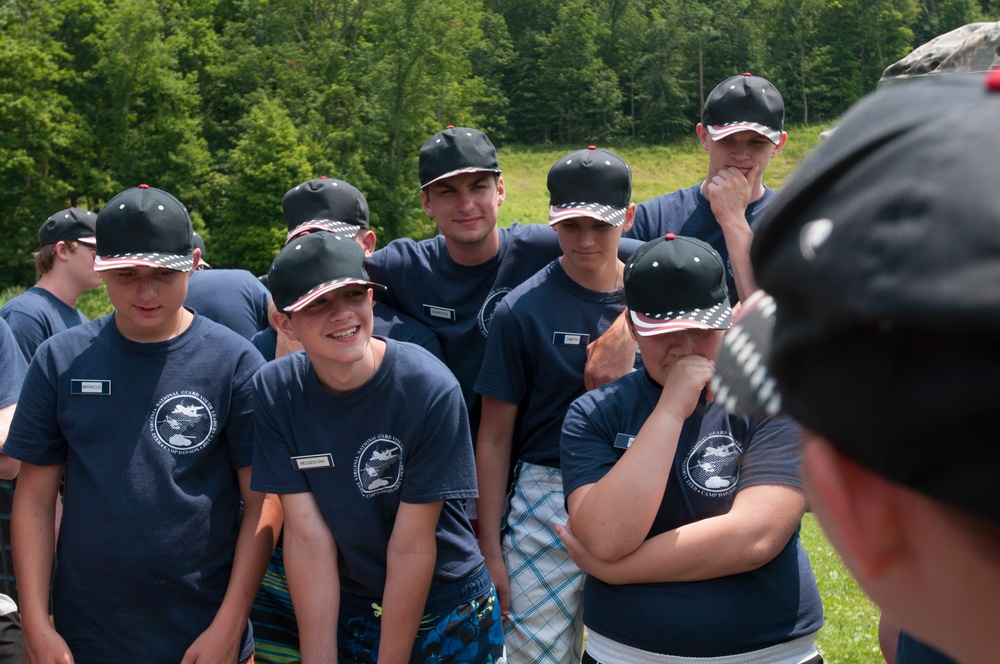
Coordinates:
228 103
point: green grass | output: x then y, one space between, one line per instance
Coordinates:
655 170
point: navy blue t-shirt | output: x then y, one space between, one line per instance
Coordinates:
687 212
401 437
536 353
718 455
151 435
35 315
234 298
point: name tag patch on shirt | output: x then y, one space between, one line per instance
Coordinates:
100 388
623 441
570 339
312 461
443 313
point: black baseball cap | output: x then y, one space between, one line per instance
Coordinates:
199 243
144 227
313 264
71 224
454 151
743 103
590 183
882 256
324 204
676 283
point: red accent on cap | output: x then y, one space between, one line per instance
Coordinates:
591 147
669 236
450 127
143 186
322 177
71 207
993 80
746 73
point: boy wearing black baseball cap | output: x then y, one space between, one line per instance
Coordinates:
685 517
366 441
148 411
741 129
532 370
453 282
65 264
882 260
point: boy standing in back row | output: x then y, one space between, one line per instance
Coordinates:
148 412
532 371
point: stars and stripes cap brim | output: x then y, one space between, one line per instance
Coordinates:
718 132
647 324
177 262
323 289
339 229
89 241
742 383
614 216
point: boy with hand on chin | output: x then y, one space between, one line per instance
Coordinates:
156 561
380 557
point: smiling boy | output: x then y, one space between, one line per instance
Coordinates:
532 371
147 410
380 557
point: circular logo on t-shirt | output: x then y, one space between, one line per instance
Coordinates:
378 467
183 422
712 467
489 307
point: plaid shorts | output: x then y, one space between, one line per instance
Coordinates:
546 586
469 633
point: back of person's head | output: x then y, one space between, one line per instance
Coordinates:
676 283
199 244
882 255
744 103
144 227
454 151
324 204
73 226
590 183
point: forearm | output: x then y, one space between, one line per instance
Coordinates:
493 451
739 237
33 542
408 581
615 514
746 538
314 585
611 355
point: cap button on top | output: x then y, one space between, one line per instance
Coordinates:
669 236
591 147
993 80
143 186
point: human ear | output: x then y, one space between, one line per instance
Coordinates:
283 324
859 510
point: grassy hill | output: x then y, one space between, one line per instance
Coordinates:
655 170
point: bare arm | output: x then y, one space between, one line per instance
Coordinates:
254 544
33 541
412 554
313 579
493 450
751 534
612 517
730 193
610 356
8 466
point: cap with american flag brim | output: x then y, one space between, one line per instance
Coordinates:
144 227
676 283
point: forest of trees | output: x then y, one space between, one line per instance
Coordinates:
228 103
